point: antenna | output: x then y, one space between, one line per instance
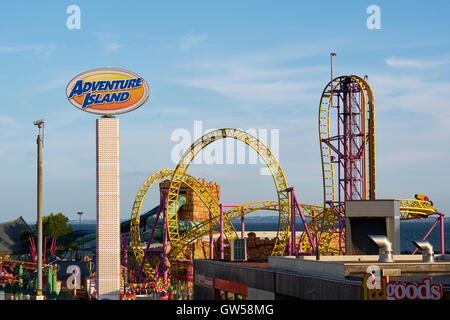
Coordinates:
332 54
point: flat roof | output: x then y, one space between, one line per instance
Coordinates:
251 264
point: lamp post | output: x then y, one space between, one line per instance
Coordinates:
80 213
40 124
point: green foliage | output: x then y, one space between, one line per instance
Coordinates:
55 225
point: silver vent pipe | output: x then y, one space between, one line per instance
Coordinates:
427 250
384 248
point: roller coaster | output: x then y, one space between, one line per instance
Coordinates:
347 148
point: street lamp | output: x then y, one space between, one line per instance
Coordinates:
80 213
40 124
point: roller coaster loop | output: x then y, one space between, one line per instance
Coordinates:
266 155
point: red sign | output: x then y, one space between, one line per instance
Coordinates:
201 280
427 290
390 290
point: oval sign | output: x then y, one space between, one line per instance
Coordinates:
107 91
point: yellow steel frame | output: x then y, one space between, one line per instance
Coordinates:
204 228
200 230
266 155
135 236
409 208
329 190
415 209
324 218
320 227
329 193
369 100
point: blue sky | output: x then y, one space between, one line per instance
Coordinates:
236 64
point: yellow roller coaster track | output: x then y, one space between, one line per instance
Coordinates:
415 209
325 106
321 229
188 180
409 208
200 230
234 213
370 137
266 155
322 219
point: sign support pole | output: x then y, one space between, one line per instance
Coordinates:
108 92
108 208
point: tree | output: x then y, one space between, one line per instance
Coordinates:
55 225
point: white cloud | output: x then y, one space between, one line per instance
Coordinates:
112 46
257 77
416 63
108 40
9 129
273 91
8 122
190 40
9 49
40 87
40 49
412 93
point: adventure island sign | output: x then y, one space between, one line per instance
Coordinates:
107 91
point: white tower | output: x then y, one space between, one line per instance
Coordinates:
108 208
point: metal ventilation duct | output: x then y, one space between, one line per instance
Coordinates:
384 248
427 250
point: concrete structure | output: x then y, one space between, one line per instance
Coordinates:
194 209
304 278
374 217
252 280
410 267
108 208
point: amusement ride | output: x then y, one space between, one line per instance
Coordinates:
346 123
347 144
